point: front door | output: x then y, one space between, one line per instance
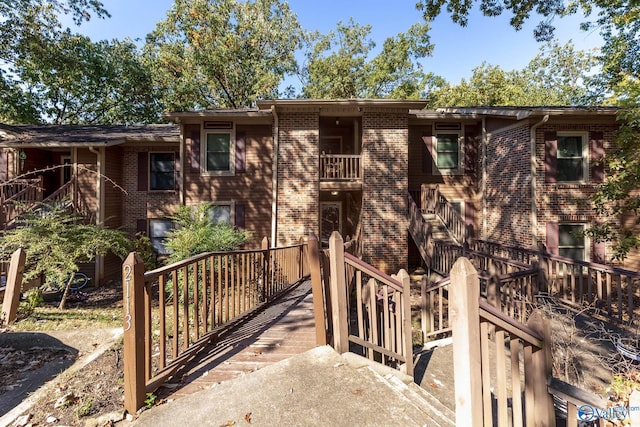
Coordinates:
330 220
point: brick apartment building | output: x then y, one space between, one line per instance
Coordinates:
518 176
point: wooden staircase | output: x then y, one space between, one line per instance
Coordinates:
18 197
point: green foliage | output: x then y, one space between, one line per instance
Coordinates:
84 407
150 400
55 242
556 76
142 246
32 300
617 197
71 80
197 233
338 65
30 31
222 53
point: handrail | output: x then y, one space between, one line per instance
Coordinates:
434 202
62 192
373 272
340 167
420 230
506 323
174 311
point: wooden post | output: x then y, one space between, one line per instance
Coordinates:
464 317
425 307
316 289
403 277
134 327
539 372
301 258
339 309
13 287
266 263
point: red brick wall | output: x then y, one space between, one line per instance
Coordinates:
141 204
508 188
298 186
251 188
384 188
566 202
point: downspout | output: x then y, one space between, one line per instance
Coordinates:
534 176
274 179
99 267
483 187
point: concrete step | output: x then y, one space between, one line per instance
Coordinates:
316 388
419 405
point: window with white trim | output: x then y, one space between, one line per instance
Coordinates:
158 229
572 157
572 241
448 152
162 173
218 148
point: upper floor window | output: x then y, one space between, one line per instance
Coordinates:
571 241
162 171
448 152
218 148
572 157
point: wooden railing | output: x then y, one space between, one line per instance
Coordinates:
340 167
17 196
610 291
435 203
174 311
420 231
501 366
375 317
513 294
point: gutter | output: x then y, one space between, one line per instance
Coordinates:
274 179
534 176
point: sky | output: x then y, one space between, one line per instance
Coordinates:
457 49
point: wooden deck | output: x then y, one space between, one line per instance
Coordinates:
283 329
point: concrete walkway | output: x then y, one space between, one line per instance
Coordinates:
284 329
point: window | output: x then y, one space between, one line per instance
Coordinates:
448 152
158 229
571 241
162 171
218 150
222 213
572 158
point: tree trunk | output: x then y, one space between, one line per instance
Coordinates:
63 301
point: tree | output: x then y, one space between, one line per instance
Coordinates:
222 53
619 25
56 242
338 65
22 24
196 233
617 22
556 76
71 80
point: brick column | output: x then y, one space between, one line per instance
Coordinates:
298 185
384 188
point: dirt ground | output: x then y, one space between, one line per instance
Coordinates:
74 398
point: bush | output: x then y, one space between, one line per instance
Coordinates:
196 233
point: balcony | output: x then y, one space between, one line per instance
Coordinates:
340 171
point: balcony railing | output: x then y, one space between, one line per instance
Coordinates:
340 167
